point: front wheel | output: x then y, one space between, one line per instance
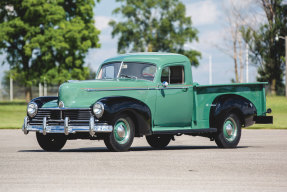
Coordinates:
229 131
52 141
158 141
123 134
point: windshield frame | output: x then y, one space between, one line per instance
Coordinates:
120 69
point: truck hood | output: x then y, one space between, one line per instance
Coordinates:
83 94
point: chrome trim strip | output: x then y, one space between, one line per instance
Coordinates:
65 109
126 89
120 69
66 125
25 125
44 125
138 89
62 121
98 128
91 126
173 88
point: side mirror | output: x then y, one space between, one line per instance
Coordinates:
164 84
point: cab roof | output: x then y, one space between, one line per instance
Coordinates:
149 57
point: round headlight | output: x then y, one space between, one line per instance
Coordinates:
98 109
32 109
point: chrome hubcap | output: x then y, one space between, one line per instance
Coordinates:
229 129
121 131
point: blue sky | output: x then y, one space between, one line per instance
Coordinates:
207 17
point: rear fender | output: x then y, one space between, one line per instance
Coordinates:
231 103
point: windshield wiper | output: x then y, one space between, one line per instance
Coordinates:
127 76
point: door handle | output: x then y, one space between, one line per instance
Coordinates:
184 89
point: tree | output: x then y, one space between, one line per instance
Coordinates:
237 14
266 52
154 25
43 37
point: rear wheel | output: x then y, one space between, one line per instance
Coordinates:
123 134
52 141
158 141
229 131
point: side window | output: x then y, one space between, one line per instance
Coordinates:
173 74
148 72
165 75
108 72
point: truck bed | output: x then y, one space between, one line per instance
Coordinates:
204 95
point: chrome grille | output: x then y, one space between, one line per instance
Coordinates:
41 114
58 115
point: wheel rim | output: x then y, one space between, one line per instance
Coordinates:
122 131
230 129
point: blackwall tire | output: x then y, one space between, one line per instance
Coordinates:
228 131
122 136
52 141
158 141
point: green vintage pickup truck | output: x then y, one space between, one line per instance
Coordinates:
145 94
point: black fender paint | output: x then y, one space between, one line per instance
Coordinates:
139 111
231 103
40 101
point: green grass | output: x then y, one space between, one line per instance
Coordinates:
278 104
12 114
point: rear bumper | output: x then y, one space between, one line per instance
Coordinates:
263 119
92 128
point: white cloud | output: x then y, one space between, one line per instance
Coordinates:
102 22
239 4
203 12
208 40
250 12
95 57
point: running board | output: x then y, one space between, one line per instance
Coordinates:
185 131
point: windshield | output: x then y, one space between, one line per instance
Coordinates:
127 70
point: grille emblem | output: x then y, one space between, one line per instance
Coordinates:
61 104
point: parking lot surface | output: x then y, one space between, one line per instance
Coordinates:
187 164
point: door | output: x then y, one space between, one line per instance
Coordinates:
173 104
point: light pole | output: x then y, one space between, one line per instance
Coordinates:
285 38
247 63
11 86
210 69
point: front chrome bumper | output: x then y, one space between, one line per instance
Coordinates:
93 127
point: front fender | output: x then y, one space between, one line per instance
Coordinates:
42 100
139 112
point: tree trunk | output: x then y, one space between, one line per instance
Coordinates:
235 61
149 48
273 87
240 60
28 94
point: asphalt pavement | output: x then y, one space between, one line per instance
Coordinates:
187 164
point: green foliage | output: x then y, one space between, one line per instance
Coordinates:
58 75
265 51
154 25
44 37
